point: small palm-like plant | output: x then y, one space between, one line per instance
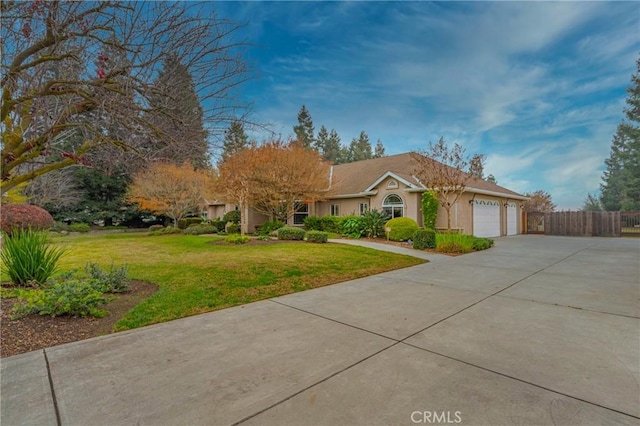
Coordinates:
374 221
28 258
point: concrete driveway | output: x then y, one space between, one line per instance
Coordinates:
537 330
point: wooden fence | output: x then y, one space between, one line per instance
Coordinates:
583 224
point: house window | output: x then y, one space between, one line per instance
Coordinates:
335 210
301 213
364 207
393 206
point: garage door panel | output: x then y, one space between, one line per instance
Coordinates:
486 218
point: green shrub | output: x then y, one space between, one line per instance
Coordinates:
200 229
79 227
482 243
312 223
24 216
402 228
114 280
316 236
232 228
59 227
155 227
454 243
373 223
219 224
166 231
351 226
424 238
232 216
268 227
237 239
27 257
429 209
290 233
330 224
74 297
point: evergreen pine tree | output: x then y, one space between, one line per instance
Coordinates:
379 150
320 142
492 179
360 149
304 130
621 179
333 151
179 116
235 140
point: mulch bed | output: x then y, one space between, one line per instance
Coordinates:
35 332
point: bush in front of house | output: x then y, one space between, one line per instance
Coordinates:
402 228
290 233
482 243
200 229
115 280
185 222
330 224
237 239
351 226
316 236
74 297
232 216
312 223
23 216
219 225
448 242
373 223
268 227
28 258
424 239
79 227
166 231
155 227
232 228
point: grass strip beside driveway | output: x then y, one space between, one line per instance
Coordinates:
195 275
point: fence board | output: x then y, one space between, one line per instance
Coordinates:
583 224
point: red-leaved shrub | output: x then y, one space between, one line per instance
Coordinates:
24 216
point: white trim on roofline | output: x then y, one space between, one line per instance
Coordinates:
357 195
395 176
481 192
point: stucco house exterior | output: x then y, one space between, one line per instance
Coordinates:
484 209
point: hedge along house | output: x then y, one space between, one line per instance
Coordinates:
388 184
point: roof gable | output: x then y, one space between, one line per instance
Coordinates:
362 177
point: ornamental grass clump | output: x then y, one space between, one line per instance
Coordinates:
28 258
454 243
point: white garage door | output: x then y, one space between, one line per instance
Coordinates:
486 218
512 219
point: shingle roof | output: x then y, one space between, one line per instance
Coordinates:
357 177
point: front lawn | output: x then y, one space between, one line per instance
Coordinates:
198 274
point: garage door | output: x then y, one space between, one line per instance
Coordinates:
512 219
486 218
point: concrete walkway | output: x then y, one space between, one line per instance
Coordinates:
537 330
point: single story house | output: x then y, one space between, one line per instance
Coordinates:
388 184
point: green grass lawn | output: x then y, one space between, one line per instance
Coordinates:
195 276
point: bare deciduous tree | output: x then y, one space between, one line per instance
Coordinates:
443 170
170 190
273 178
78 75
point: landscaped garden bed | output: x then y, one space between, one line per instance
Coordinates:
194 274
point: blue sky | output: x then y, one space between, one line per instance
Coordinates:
537 87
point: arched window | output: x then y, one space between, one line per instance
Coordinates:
393 206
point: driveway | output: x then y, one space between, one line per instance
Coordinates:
537 330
